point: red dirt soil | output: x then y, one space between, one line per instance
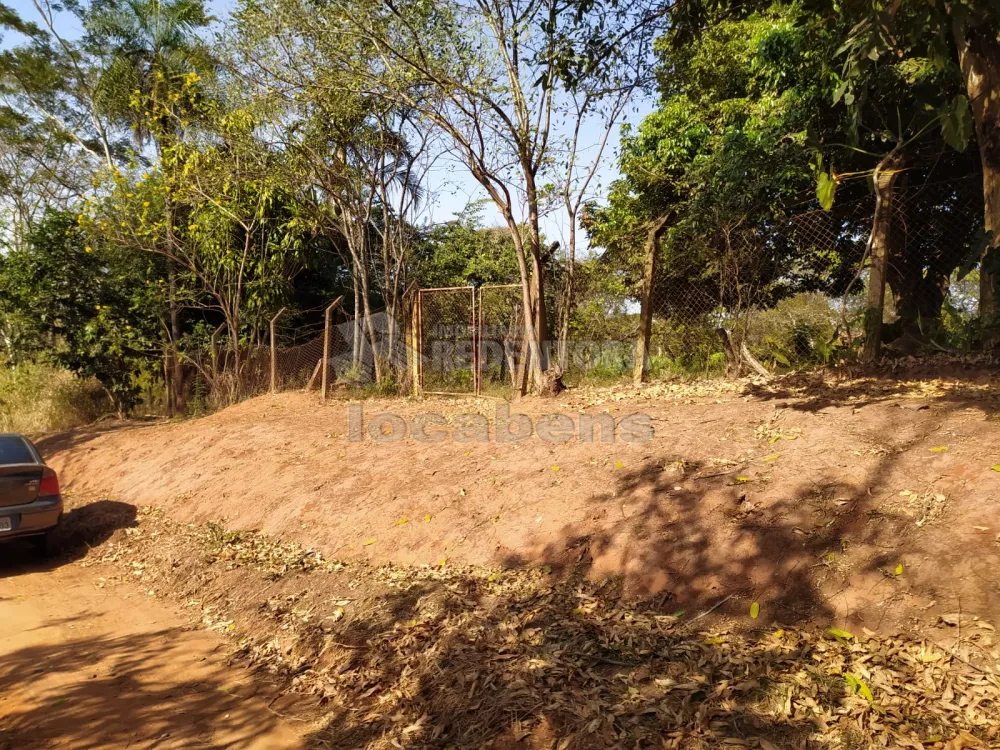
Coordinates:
787 494
84 665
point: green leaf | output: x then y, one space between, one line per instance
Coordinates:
858 687
826 189
755 610
839 92
840 635
957 124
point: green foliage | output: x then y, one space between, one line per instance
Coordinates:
956 123
726 149
798 331
292 171
826 189
88 308
463 252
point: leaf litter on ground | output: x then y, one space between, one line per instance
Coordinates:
465 656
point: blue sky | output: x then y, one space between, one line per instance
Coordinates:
450 184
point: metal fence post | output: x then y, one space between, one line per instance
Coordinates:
475 344
274 352
418 375
327 317
410 323
478 339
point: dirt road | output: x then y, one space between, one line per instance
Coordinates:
87 664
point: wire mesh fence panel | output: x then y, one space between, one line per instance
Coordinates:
367 348
500 335
358 350
602 334
787 291
299 366
931 292
793 291
447 338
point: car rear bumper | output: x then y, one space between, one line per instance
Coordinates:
32 518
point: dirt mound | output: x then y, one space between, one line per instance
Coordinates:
860 503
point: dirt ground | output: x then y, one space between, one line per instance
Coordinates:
807 563
449 656
83 665
851 502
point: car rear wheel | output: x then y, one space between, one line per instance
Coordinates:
44 544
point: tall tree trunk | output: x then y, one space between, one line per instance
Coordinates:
979 57
640 370
568 293
885 177
356 323
370 325
175 335
392 304
528 367
538 285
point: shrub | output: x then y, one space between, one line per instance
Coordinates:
41 398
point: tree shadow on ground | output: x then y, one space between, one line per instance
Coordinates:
514 660
958 387
140 690
80 529
818 545
76 439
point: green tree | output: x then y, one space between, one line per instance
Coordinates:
719 159
464 251
87 308
154 60
941 34
753 101
240 236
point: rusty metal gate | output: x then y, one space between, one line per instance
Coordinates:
500 351
470 341
446 325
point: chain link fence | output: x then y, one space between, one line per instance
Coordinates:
358 351
501 349
447 340
790 292
785 293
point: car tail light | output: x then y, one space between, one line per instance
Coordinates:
50 483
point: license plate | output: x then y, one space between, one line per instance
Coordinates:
5 524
